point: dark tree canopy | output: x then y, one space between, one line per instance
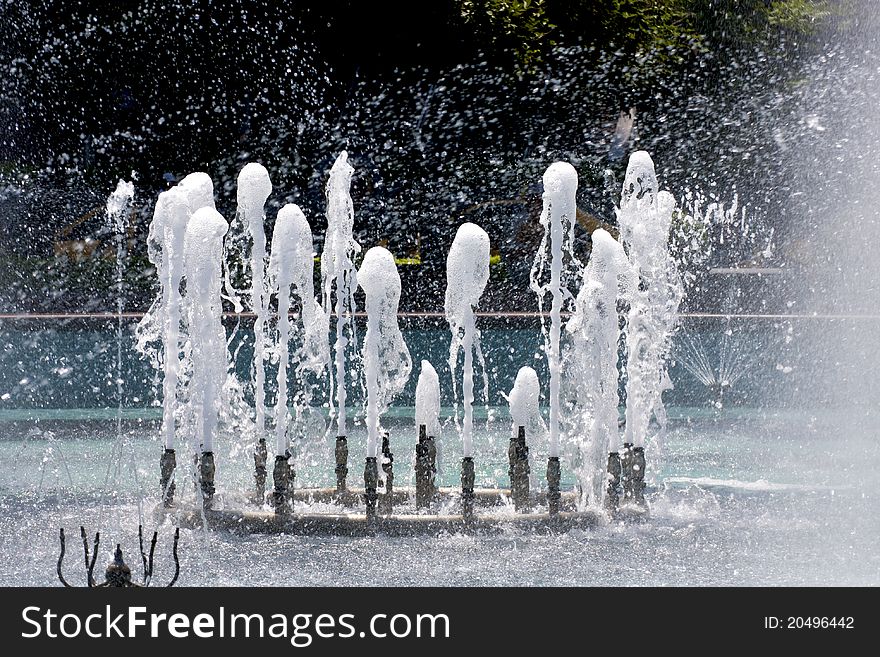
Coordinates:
449 109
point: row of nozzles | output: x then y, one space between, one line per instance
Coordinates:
383 503
625 478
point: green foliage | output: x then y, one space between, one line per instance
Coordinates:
667 28
798 15
645 24
521 25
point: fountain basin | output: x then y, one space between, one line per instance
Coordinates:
350 520
354 525
485 497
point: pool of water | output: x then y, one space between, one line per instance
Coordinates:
741 497
48 366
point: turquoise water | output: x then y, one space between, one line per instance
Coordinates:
72 364
777 486
745 497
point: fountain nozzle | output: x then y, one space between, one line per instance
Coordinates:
612 490
518 458
282 497
426 467
167 465
468 478
554 477
206 479
260 457
371 494
638 477
341 463
386 501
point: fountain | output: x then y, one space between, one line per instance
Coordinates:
387 365
525 411
117 209
291 267
558 219
165 248
645 216
581 358
770 425
591 371
203 264
162 323
427 415
338 284
254 188
467 272
720 362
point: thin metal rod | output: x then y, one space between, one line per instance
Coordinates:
60 559
176 560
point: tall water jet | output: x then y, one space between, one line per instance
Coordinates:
525 413
591 366
162 322
338 283
166 236
558 219
254 188
117 210
203 265
427 414
467 273
386 358
291 269
645 216
118 206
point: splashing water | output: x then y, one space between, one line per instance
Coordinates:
645 215
165 250
199 190
427 407
338 276
558 219
203 261
119 202
590 364
118 208
427 411
524 399
467 273
254 188
291 265
387 362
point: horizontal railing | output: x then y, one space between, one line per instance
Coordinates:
441 315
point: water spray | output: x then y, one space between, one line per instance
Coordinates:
338 283
467 273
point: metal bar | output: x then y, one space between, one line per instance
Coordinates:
439 315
